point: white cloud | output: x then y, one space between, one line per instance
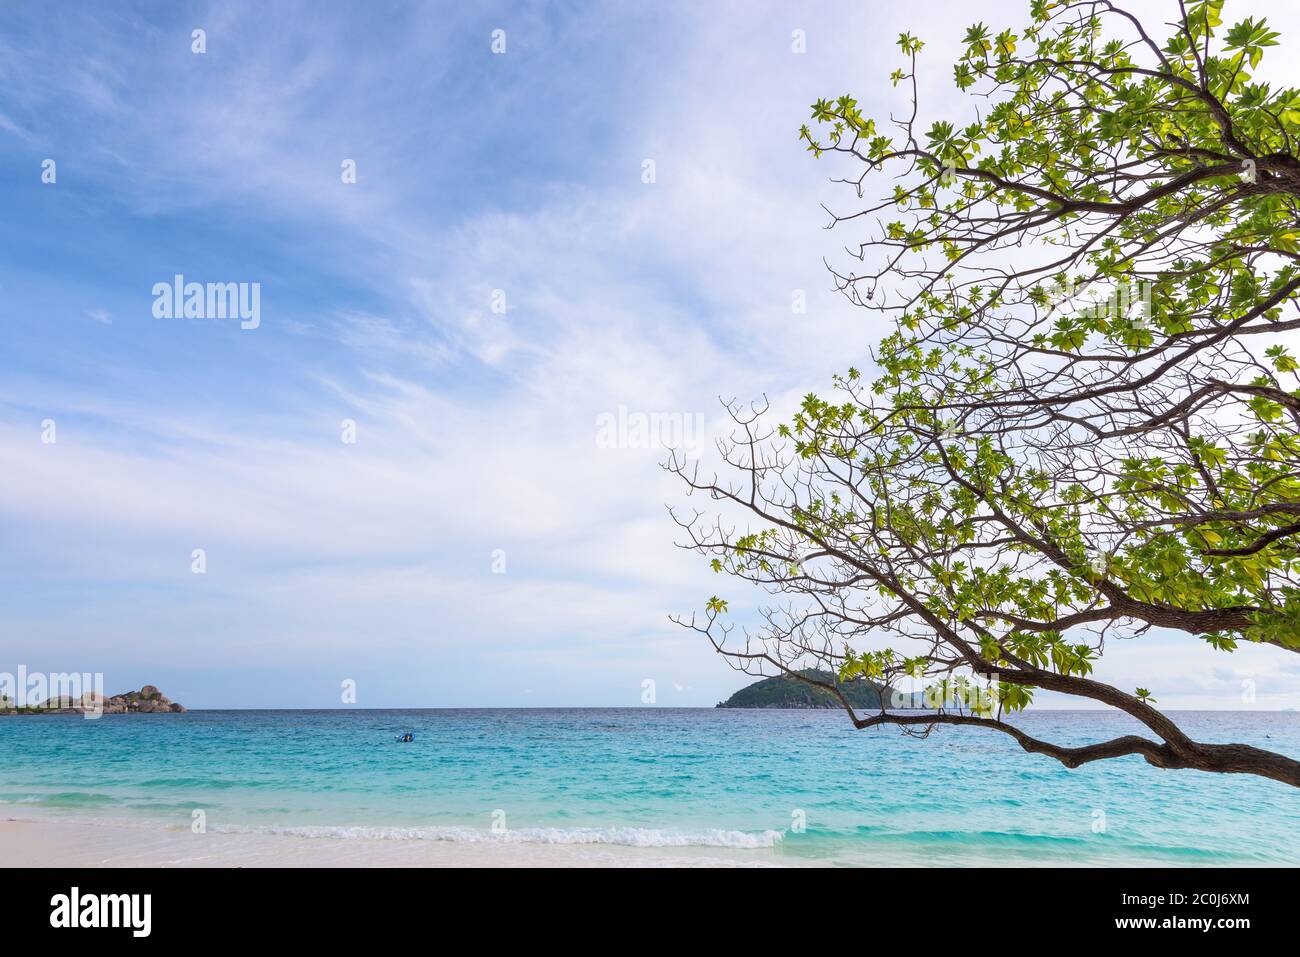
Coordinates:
476 430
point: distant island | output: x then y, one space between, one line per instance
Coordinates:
148 700
785 691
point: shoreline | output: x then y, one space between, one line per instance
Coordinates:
41 842
31 842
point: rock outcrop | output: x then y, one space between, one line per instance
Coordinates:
148 700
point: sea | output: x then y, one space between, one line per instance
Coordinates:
769 786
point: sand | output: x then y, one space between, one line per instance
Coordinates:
53 843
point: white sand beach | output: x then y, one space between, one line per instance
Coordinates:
52 843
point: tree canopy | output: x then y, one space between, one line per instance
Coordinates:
1083 424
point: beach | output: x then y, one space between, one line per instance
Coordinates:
32 843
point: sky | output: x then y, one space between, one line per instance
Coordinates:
563 214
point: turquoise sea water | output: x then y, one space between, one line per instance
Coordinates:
768 784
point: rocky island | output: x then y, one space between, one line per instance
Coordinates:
148 700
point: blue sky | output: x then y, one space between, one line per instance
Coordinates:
519 172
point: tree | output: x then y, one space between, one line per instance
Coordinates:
1084 422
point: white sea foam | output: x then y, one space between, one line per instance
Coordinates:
624 836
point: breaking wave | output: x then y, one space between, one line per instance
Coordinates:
625 836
